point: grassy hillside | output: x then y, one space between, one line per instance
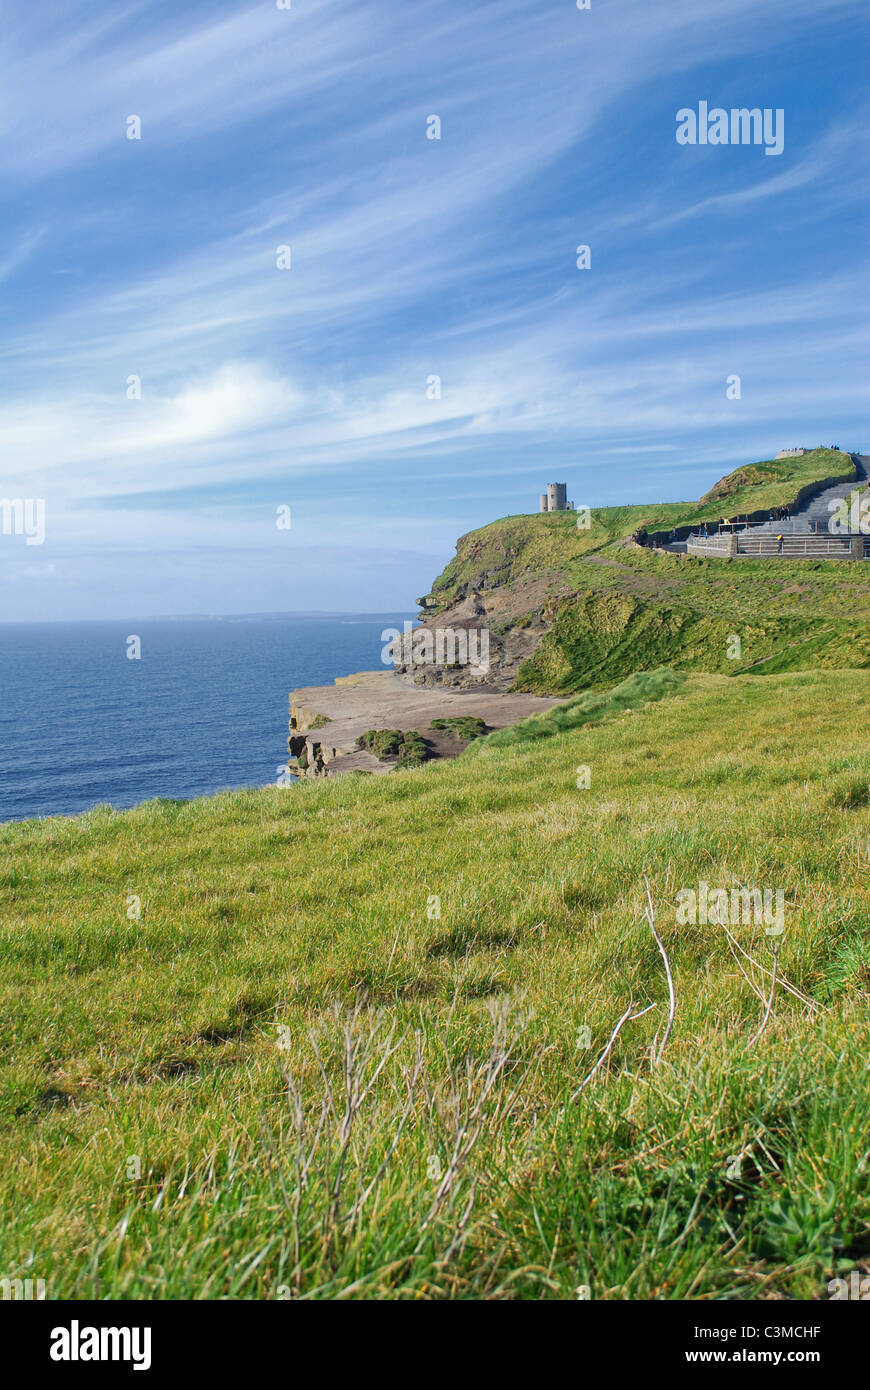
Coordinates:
609 607
650 608
517 546
339 1053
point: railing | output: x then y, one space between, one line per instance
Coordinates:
718 545
794 545
741 543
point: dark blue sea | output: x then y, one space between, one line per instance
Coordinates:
205 708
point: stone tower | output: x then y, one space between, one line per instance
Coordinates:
557 497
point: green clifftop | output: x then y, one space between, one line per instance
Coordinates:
570 609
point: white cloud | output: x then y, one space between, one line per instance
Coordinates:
238 398
410 258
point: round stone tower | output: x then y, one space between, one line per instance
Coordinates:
557 497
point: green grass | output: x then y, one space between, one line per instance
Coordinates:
584 710
384 743
335 1054
409 748
655 609
461 726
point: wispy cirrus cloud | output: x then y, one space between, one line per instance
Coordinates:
411 258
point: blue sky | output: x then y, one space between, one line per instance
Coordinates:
307 388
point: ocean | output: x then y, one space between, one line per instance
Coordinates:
203 709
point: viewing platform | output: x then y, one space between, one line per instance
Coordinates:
825 525
796 544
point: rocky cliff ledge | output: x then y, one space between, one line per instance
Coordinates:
327 720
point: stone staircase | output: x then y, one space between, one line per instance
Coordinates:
805 533
815 514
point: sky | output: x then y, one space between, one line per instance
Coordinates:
424 354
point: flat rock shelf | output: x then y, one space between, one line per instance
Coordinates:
327 720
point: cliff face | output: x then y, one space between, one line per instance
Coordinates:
504 584
568 601
503 589
499 627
